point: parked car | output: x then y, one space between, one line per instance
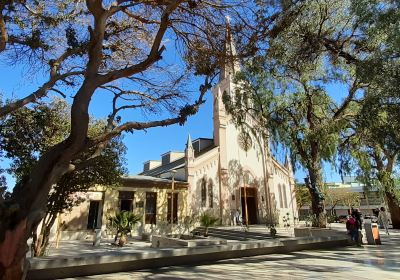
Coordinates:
341 219
373 218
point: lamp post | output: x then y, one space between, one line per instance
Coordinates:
245 200
172 197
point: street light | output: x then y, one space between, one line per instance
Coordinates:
172 197
245 199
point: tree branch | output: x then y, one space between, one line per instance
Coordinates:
3 30
350 97
40 93
154 54
180 119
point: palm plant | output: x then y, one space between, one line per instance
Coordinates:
122 222
207 220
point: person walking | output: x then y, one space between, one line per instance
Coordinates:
383 219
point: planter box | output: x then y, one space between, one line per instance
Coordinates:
315 232
159 241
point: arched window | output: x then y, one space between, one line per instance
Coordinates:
210 193
280 196
284 196
203 192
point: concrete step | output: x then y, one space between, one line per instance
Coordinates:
231 234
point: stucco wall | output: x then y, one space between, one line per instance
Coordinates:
76 220
250 168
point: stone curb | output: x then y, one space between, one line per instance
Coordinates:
84 266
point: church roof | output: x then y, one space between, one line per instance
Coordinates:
179 163
149 181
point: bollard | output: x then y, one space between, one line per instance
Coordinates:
375 234
368 232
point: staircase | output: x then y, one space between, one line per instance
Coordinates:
232 234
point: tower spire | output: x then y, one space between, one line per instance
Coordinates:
189 144
229 64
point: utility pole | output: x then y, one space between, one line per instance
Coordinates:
220 186
245 201
172 198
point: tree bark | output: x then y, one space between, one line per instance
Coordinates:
41 244
317 205
30 197
394 209
13 249
386 180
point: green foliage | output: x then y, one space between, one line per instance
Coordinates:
330 219
123 222
372 144
342 197
207 220
303 197
29 132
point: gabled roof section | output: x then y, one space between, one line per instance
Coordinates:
177 164
150 182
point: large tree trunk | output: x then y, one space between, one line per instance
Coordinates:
29 198
386 180
394 209
13 249
317 204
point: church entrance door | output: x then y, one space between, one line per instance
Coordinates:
251 198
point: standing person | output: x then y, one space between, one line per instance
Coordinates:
357 215
238 219
383 219
352 228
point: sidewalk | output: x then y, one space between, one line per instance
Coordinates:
79 258
362 263
80 248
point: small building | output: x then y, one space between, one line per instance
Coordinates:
368 199
146 196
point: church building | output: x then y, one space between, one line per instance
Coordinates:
233 171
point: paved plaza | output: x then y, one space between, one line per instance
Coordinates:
367 262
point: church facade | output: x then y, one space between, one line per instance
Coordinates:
224 174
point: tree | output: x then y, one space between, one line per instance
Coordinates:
299 113
340 196
371 145
331 42
101 47
29 132
303 197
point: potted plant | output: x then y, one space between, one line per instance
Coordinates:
206 220
122 222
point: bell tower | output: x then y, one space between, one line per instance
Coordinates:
229 66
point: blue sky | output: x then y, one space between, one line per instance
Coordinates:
141 145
